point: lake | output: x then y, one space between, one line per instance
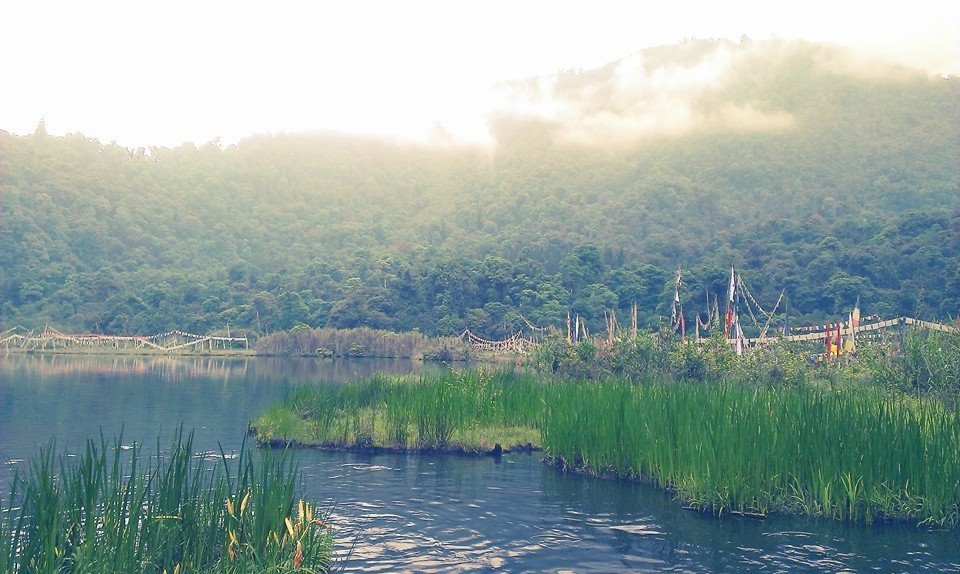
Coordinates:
431 513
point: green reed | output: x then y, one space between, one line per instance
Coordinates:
110 509
471 410
855 453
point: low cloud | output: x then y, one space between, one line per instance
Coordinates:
662 92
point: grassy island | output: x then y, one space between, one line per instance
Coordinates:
859 454
471 412
113 509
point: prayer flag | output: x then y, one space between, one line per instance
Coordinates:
730 304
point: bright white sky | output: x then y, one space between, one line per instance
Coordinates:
165 72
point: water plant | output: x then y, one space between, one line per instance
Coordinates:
857 454
851 452
112 508
471 410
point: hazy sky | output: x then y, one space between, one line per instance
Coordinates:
161 73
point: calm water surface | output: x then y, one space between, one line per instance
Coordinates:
397 513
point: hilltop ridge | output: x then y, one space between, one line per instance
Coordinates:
791 160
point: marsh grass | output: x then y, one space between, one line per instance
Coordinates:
115 509
858 454
471 411
849 452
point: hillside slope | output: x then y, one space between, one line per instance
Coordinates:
831 179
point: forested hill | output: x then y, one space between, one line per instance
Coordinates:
811 169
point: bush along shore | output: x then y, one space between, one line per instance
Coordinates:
918 363
303 341
852 452
114 509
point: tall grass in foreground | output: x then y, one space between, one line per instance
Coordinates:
112 510
472 411
858 454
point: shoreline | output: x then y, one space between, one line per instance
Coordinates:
246 353
454 449
134 352
562 465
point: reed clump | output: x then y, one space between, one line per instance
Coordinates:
856 454
471 411
853 453
115 509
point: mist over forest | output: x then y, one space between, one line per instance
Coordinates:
811 169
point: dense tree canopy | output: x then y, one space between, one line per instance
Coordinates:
831 182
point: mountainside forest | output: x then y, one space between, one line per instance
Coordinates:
830 176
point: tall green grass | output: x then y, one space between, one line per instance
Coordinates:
472 410
855 453
114 510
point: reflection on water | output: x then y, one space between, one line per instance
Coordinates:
176 368
460 514
431 513
75 397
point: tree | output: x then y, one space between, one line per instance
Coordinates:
581 267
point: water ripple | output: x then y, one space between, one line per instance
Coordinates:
422 513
